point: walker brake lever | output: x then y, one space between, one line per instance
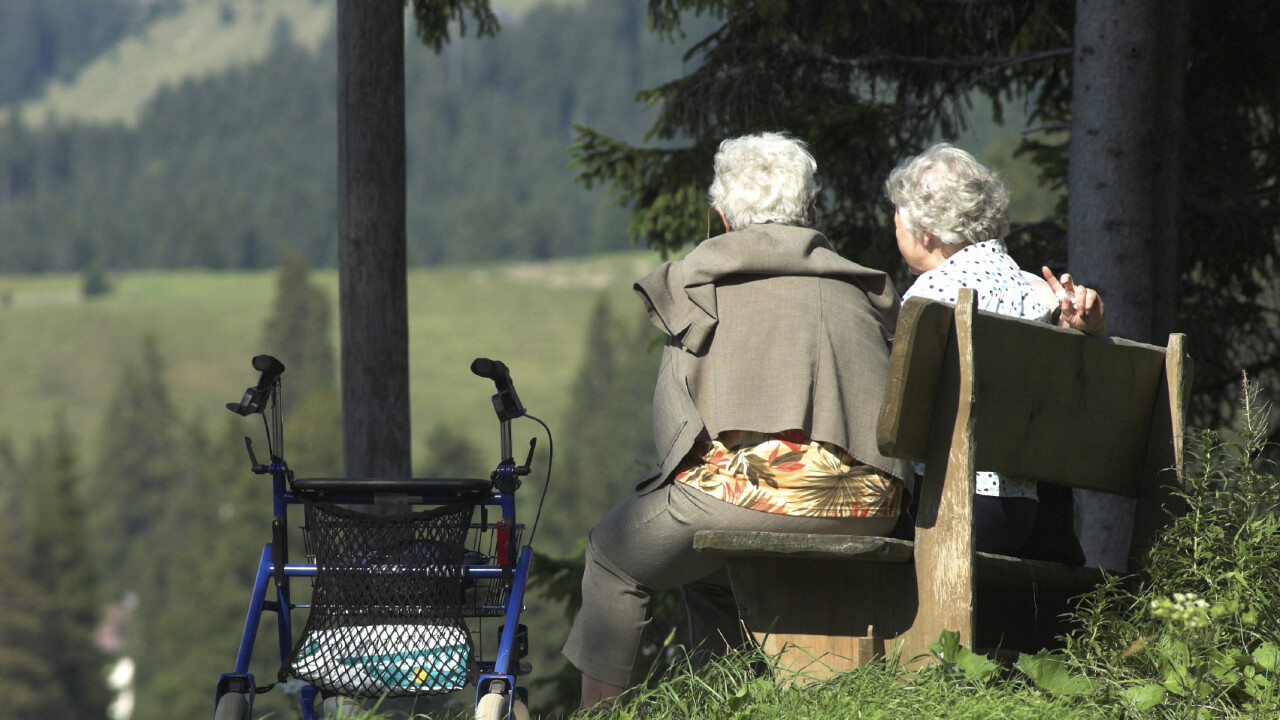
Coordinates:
257 467
528 461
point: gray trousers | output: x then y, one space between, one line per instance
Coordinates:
645 546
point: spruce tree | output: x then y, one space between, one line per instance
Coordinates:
192 608
136 471
608 447
61 568
27 681
299 332
300 329
608 443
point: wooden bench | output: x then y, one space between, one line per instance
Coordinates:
970 390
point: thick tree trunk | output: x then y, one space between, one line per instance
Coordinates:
372 302
1123 195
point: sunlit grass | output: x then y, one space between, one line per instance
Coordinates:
735 687
61 353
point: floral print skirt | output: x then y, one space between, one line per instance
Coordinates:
789 474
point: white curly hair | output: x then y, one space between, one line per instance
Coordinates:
947 192
764 178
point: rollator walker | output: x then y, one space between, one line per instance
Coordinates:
404 574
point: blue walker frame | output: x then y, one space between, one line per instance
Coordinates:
508 564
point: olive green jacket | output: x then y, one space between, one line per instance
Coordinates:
768 329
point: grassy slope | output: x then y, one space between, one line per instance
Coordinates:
61 353
187 44
192 43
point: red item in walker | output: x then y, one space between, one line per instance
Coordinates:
501 552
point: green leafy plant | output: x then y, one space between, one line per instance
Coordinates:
956 658
1199 635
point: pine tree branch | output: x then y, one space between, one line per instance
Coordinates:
965 63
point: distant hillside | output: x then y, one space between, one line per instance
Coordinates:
228 169
221 146
45 39
111 73
205 37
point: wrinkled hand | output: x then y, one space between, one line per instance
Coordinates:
1079 307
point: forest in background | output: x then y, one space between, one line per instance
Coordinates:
229 170
132 530
235 171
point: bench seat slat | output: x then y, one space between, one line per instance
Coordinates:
989 567
747 543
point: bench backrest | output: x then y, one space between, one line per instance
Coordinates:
1044 403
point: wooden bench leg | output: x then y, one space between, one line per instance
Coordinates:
803 658
821 618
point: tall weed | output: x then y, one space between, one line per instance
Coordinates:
1199 635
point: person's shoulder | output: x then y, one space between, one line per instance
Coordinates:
940 283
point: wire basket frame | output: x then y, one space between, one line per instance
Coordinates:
387 603
487 597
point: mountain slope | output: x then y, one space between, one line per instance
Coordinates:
203 38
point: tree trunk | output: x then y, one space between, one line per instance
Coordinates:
373 306
1123 194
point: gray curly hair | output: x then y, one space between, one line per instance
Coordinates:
947 192
764 178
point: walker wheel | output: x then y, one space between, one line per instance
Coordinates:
493 706
235 706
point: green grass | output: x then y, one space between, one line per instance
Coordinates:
62 353
735 689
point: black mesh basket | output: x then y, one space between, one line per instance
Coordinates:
386 609
487 597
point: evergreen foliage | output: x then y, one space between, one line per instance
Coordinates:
435 18
299 332
192 607
27 682
45 39
866 84
95 281
209 520
610 450
135 472
609 444
62 569
452 454
232 170
299 329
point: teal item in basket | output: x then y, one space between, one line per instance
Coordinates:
381 659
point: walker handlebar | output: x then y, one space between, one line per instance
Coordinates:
506 403
255 398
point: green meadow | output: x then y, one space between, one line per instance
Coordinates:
64 353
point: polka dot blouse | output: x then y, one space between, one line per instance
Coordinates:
1002 288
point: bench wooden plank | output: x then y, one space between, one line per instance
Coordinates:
944 521
1037 384
787 547
821 616
753 543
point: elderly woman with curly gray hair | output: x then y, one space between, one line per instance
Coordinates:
951 217
764 411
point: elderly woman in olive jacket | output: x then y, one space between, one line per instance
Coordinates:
764 411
